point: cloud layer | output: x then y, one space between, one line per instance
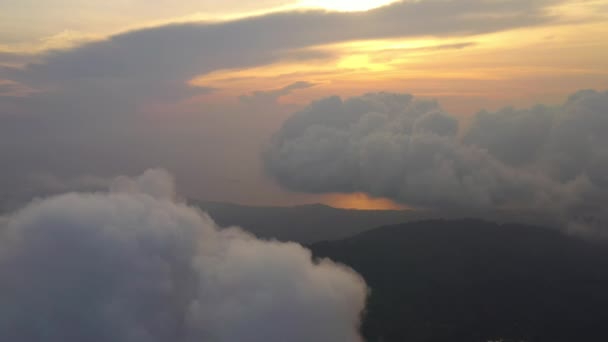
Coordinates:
134 265
409 150
182 51
120 104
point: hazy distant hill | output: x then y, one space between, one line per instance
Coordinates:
317 222
472 281
306 223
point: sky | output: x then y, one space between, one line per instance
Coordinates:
114 114
205 89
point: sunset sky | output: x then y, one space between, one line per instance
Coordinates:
199 87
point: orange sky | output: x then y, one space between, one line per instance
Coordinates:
518 67
361 201
466 72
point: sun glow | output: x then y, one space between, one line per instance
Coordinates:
346 5
362 201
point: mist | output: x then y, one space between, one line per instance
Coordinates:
135 264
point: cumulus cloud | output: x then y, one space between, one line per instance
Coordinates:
545 158
503 133
135 265
565 141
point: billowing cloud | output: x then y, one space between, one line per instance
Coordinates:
134 265
566 141
390 145
503 133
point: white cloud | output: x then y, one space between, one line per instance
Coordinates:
134 265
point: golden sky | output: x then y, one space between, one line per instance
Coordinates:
523 66
572 48
469 54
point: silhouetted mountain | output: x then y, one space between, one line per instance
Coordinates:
471 280
305 223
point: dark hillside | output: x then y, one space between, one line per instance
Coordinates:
471 281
